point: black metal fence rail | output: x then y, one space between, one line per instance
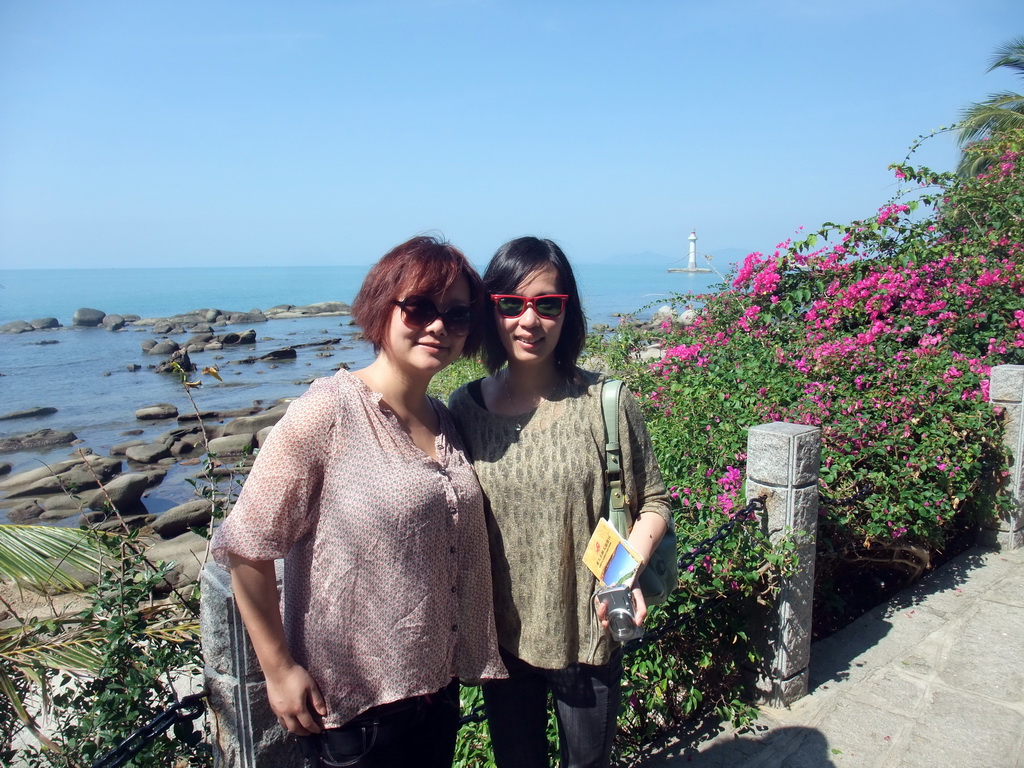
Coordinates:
184 711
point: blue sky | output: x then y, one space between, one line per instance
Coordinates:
317 133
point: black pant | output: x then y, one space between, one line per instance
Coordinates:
586 706
412 732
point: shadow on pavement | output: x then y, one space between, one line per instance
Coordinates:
832 657
947 576
793 747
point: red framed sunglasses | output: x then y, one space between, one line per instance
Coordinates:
549 305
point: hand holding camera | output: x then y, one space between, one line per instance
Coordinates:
620 613
613 561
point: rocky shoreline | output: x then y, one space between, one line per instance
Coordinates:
108 492
196 320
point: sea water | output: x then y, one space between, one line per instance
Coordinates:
28 294
84 372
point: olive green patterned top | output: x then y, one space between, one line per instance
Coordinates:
544 488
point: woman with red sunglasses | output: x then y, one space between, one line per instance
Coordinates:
363 488
535 431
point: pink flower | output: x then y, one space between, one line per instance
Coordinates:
951 374
745 272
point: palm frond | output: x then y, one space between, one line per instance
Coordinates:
181 631
25 650
1000 113
1010 56
9 690
33 555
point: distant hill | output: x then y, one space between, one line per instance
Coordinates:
647 257
722 259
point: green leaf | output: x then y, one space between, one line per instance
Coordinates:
34 555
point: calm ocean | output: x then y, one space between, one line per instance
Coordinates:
84 372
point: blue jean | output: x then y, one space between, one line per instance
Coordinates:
420 731
586 707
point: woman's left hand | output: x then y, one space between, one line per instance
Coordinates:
639 606
639 609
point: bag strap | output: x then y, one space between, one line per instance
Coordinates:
616 503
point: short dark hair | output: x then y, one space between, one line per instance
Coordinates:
422 266
511 266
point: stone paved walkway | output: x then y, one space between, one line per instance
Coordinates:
934 678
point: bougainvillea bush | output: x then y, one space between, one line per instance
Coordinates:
882 333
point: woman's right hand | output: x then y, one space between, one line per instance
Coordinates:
296 700
291 691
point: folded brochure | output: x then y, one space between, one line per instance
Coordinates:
610 557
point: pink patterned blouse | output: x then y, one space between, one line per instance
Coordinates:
387 578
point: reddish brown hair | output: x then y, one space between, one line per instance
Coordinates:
422 266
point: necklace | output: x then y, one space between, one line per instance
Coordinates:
511 405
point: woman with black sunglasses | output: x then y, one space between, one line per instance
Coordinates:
535 431
363 488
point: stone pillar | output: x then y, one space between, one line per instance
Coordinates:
245 733
783 461
1006 390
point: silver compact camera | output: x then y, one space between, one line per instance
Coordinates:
621 619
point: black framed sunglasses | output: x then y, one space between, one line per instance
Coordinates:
550 305
419 312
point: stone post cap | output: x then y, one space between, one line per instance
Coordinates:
783 455
1006 384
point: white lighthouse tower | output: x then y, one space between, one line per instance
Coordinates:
691 265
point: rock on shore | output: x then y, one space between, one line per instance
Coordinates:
28 413
662 316
87 317
43 438
17 326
